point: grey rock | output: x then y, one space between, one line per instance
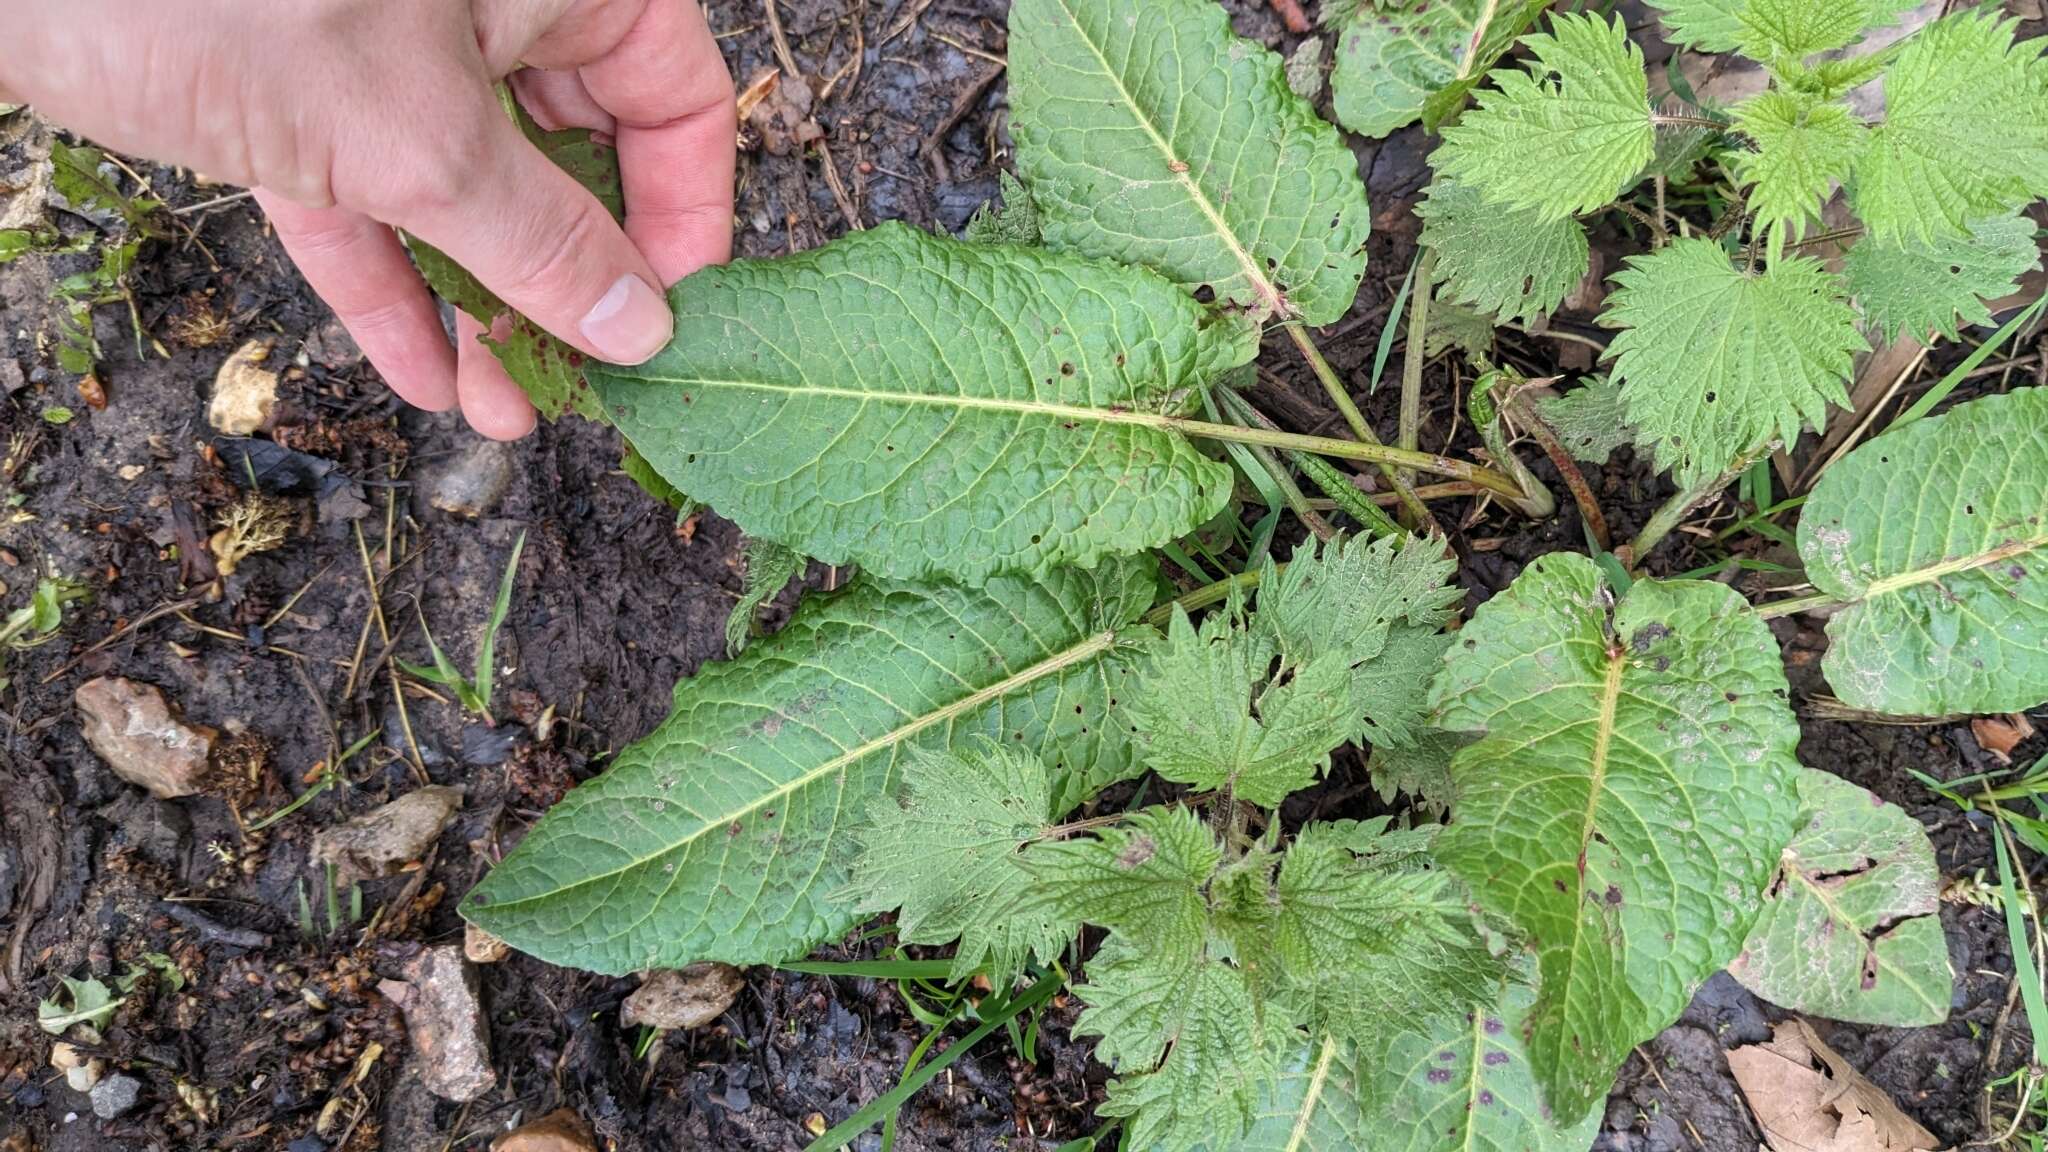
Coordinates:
115 1095
475 482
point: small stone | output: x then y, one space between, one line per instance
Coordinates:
559 1131
141 738
80 1071
474 483
482 947
131 472
244 392
114 1096
683 998
384 840
445 1019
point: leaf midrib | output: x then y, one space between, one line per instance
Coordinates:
1265 287
1886 585
1092 646
1313 1097
1076 412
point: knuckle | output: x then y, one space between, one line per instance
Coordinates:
550 265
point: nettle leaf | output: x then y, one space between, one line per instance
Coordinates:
1311 1106
1149 134
1212 966
1014 221
924 405
1803 147
1566 136
1421 770
1933 533
1509 262
947 853
1852 928
1591 421
1363 938
1715 362
1256 706
1174 1018
1782 27
1626 803
547 370
1463 1082
1965 132
1930 287
1775 30
1220 1054
1389 59
724 835
768 569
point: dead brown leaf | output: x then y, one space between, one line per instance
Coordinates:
1830 1108
1999 735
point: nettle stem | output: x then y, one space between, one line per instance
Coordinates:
1796 605
1681 504
1352 450
1415 354
1208 594
1355 420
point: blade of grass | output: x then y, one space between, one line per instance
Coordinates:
1386 347
1970 363
2022 957
887 1103
487 651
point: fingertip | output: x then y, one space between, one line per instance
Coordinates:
492 402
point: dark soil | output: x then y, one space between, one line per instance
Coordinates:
280 1040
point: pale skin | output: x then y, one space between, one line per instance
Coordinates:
352 118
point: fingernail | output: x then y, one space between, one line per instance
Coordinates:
630 323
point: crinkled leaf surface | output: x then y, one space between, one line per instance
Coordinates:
1626 803
547 370
1311 1106
1152 135
1509 262
1389 59
1927 287
1852 929
1937 536
1965 130
1803 146
1566 135
1591 421
947 853
1790 30
724 835
1463 1082
1214 966
1175 1019
1725 25
1714 361
924 405
1256 706
1364 941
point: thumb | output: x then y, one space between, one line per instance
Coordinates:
545 245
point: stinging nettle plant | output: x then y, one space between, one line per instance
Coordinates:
1000 431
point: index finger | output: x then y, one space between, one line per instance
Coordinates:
668 88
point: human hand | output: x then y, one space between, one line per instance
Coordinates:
353 117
